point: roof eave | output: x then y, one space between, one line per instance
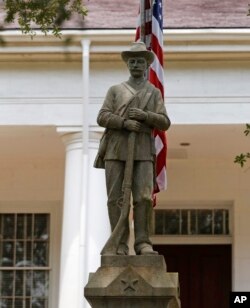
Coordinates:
196 43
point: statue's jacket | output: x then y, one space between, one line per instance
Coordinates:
112 118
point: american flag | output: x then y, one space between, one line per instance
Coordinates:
149 29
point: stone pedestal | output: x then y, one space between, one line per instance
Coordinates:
132 282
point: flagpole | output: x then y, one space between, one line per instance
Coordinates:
143 27
142 17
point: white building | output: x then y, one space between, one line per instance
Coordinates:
53 219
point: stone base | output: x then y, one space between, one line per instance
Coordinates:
132 282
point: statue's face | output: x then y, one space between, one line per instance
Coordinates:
137 66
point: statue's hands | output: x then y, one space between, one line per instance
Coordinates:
132 125
137 114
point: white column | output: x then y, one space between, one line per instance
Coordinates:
85 226
98 227
71 292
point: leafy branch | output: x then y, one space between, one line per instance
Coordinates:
44 14
243 157
247 131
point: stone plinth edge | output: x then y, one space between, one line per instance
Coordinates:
136 261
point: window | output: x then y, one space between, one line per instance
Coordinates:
191 222
24 260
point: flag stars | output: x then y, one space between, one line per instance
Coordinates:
157 10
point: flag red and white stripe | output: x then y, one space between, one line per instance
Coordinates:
152 35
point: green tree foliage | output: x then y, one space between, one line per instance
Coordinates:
243 157
43 14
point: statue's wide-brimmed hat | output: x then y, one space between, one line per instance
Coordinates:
138 49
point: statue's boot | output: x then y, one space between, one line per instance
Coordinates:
114 215
142 219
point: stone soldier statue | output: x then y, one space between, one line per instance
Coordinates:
122 114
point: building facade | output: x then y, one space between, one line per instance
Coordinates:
53 218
